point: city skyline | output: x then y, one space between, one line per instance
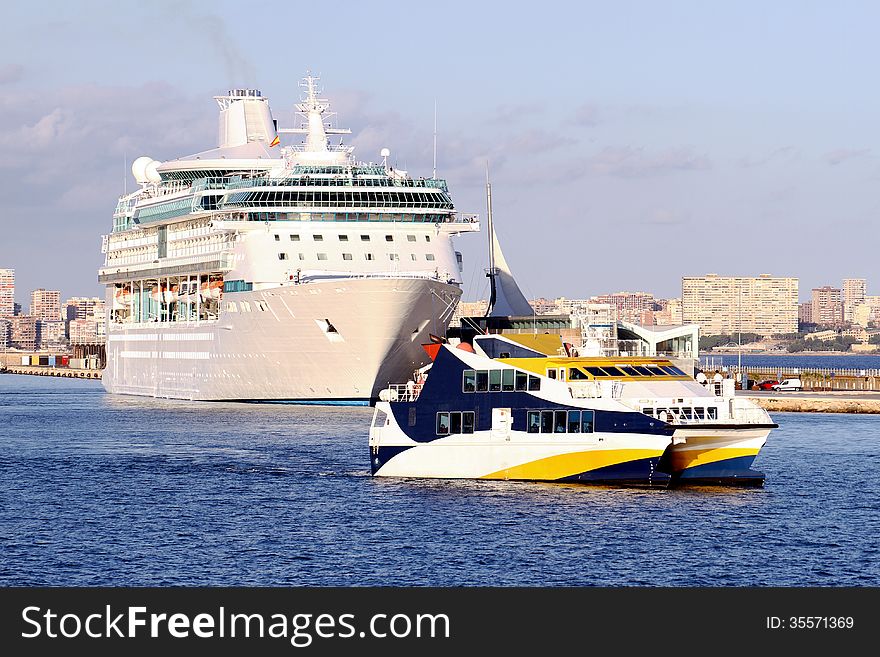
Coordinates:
658 135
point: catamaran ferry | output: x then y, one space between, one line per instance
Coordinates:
258 271
519 407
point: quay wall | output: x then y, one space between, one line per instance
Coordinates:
39 370
826 404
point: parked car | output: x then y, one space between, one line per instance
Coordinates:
788 384
750 384
766 385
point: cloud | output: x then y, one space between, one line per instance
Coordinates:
835 157
630 162
10 73
586 115
784 152
506 114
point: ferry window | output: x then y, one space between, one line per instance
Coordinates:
562 374
282 256
533 423
551 374
467 422
574 422
343 238
677 371
655 371
368 256
482 380
644 371
507 380
318 238
546 421
674 371
393 256
494 380
410 238
322 256
534 382
612 371
442 424
712 413
504 354
574 374
389 238
627 370
365 238
469 381
586 421
294 238
278 238
412 416
455 422
429 256
346 256
647 410
699 413
522 380
596 371
559 425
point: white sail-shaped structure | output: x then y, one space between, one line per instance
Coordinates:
506 299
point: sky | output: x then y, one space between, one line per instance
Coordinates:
629 143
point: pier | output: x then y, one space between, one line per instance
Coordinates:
41 370
815 402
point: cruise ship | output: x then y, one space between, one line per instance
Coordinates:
271 272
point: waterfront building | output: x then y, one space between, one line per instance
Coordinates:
827 305
25 332
46 304
805 312
630 305
83 308
5 326
469 309
52 333
7 292
873 303
669 313
725 305
854 290
87 331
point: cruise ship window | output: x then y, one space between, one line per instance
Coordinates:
429 256
322 256
427 238
412 256
346 256
277 238
318 238
282 256
393 256
365 238
368 256
410 238
245 307
712 413
699 413
294 238
343 238
389 238
302 256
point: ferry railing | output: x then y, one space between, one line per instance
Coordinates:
408 391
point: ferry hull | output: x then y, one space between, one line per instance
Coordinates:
716 456
337 341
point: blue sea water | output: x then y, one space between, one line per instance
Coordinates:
802 361
104 490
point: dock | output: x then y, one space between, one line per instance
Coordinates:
816 402
41 370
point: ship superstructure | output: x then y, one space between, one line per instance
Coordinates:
257 271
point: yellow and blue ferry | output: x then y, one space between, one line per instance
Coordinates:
513 407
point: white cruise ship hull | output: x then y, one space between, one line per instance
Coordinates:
334 341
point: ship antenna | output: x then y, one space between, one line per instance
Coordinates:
434 174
